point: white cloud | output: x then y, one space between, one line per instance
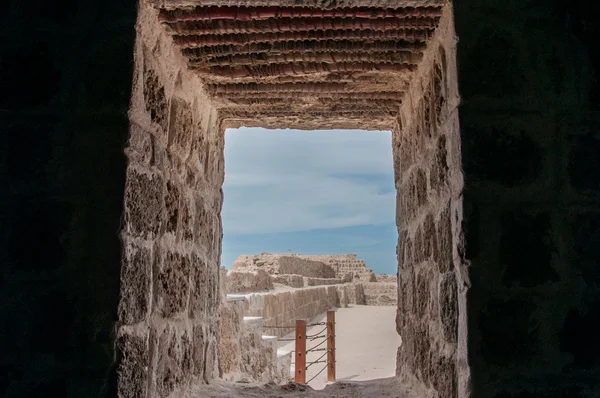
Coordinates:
291 180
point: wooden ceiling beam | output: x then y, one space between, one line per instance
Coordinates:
263 13
299 69
306 46
299 25
418 36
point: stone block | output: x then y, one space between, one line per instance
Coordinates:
448 307
422 293
174 359
443 250
438 175
201 291
180 127
136 265
132 370
154 97
444 376
140 146
172 284
172 206
248 281
143 203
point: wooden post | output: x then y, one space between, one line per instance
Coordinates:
330 345
300 366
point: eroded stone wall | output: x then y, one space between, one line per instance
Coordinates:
431 286
380 293
283 308
169 308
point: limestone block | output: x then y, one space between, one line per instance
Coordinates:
172 284
174 359
172 205
135 283
248 281
155 98
289 280
133 366
143 203
448 307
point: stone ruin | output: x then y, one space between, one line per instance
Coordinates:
341 266
276 290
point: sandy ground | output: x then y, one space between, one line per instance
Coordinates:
366 345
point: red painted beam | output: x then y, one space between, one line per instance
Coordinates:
261 13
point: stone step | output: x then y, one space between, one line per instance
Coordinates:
253 324
284 363
236 297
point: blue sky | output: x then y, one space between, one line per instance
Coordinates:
311 192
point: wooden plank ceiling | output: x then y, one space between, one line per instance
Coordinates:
303 59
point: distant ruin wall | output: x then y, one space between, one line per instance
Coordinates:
285 307
319 266
276 264
380 293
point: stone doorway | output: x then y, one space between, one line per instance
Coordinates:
361 69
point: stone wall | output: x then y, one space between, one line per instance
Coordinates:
169 308
283 308
387 278
431 285
380 293
276 264
65 84
530 126
319 266
247 281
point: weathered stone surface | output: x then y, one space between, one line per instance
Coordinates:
201 292
135 284
172 205
174 362
289 280
143 203
248 281
172 284
155 98
443 250
444 376
180 126
381 293
448 307
438 176
133 366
